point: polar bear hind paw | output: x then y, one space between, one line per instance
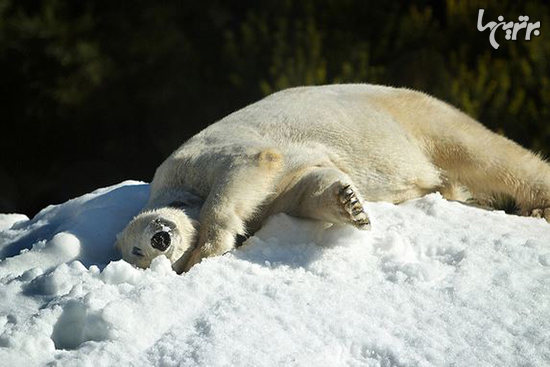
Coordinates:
352 207
541 213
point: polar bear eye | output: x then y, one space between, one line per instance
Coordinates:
137 251
161 240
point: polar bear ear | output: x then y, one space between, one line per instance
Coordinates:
195 224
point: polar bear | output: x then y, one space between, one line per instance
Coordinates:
319 152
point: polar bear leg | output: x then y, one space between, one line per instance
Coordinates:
490 165
329 195
233 200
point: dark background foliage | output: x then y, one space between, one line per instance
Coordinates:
96 92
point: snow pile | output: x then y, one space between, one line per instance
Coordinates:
434 283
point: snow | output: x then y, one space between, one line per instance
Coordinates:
8 220
433 283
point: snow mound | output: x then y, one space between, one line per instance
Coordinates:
434 283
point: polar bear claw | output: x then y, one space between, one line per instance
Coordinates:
541 213
352 206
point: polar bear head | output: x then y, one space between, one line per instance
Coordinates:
164 231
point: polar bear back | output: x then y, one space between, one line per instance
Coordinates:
378 135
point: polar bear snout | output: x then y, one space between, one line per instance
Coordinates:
161 240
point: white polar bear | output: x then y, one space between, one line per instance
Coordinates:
318 152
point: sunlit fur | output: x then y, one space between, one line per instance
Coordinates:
286 152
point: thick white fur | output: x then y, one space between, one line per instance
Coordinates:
282 153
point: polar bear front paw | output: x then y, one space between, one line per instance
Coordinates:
352 207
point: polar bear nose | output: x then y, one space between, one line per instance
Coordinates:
161 240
